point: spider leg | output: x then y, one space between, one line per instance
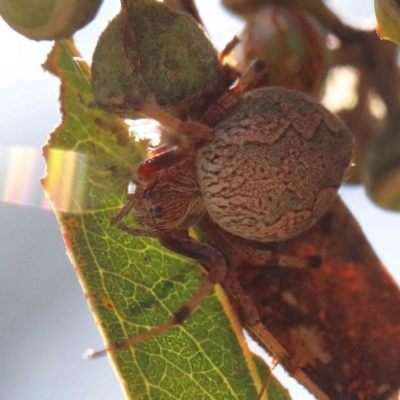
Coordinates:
124 211
228 49
240 250
193 135
128 229
250 78
190 128
136 231
264 258
164 157
248 252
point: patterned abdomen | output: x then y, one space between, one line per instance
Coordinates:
275 165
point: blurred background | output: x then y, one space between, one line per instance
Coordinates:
45 323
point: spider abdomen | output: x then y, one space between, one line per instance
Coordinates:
275 165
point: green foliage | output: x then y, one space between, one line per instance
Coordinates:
388 16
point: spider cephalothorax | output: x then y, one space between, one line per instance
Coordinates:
172 202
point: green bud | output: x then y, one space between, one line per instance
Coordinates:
290 42
48 19
153 53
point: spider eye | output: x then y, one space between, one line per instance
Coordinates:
132 186
156 212
149 193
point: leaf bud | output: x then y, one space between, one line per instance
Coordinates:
153 53
291 43
48 19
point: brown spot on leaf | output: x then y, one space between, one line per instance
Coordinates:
73 223
107 303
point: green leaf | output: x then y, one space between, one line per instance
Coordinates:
133 284
388 17
274 389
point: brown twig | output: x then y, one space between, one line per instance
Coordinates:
377 59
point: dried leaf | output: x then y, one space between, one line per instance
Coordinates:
340 323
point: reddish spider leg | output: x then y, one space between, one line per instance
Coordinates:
239 250
169 155
194 134
228 49
250 78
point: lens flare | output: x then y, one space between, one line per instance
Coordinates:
64 181
21 167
